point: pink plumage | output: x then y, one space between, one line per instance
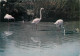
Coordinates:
7 16
59 23
37 20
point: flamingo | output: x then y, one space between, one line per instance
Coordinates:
7 16
37 20
59 23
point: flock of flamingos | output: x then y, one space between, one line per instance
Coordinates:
58 23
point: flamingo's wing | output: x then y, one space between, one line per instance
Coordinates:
36 21
8 17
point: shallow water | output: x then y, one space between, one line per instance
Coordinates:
18 39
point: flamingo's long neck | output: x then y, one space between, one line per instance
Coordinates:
40 14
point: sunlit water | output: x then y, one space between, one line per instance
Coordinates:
18 39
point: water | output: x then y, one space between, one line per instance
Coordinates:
18 39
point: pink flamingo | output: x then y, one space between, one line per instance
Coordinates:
59 23
7 16
37 20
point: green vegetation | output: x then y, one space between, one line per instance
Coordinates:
68 10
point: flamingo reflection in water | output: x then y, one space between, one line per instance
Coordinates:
36 40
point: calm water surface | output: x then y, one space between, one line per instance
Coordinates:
18 39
